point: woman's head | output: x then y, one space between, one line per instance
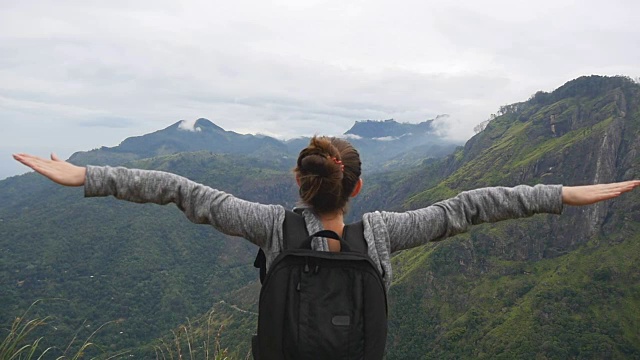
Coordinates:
328 171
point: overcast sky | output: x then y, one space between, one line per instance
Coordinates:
77 75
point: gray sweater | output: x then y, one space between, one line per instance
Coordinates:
385 232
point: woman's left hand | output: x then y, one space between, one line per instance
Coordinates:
590 194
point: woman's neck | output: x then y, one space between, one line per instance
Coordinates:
335 223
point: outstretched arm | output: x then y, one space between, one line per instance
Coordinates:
201 204
458 214
56 170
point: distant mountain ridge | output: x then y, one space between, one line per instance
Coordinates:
391 140
388 129
203 135
183 137
388 144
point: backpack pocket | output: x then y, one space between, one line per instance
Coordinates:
322 306
332 311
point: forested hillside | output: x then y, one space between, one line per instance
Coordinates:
145 268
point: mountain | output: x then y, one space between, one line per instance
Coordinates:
544 287
387 145
183 137
553 287
388 129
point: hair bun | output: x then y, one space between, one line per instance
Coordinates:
316 164
327 171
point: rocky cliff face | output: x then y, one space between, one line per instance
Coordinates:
580 139
491 279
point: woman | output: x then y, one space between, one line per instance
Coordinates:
328 174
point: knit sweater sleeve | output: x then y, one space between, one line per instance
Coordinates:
201 204
456 215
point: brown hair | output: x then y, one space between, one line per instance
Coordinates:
328 170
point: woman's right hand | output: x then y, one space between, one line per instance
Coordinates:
56 170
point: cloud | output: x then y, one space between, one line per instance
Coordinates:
189 125
351 136
107 122
443 124
386 138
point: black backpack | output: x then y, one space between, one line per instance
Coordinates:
320 305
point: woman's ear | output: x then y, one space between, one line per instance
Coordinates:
298 180
357 188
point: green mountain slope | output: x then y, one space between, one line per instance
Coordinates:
580 305
144 267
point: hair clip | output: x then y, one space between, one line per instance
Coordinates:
339 162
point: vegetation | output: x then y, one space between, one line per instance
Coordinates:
187 340
580 305
199 341
19 342
144 268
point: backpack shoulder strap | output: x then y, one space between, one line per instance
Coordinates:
294 230
353 234
294 233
